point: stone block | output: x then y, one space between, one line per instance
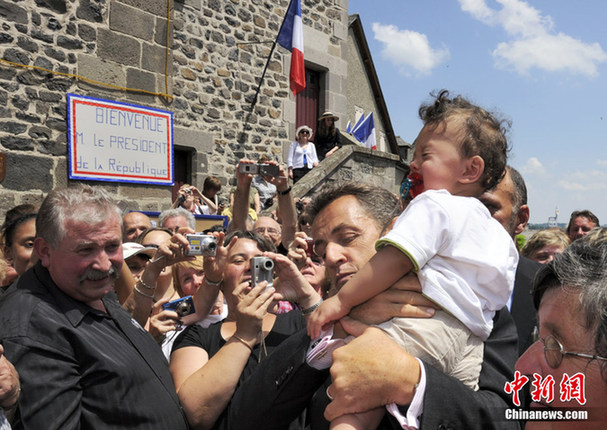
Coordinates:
16 56
200 141
61 173
70 43
196 4
160 32
136 191
153 58
156 7
45 37
120 48
90 11
12 12
12 127
128 20
27 44
99 70
52 147
26 172
87 32
58 6
140 79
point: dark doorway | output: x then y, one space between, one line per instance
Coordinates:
183 170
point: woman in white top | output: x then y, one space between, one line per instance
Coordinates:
302 154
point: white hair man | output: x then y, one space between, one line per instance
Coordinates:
82 361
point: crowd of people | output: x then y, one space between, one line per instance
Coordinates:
376 310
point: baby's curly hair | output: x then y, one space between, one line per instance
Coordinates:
482 133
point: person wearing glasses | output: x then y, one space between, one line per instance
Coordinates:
570 293
302 154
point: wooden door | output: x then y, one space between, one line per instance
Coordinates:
307 101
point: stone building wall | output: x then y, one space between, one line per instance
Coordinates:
214 64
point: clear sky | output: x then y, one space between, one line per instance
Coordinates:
540 64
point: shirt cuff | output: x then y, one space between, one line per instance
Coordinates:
320 351
416 408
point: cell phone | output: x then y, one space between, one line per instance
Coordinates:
183 306
262 269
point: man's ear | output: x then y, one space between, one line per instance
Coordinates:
522 219
43 249
475 166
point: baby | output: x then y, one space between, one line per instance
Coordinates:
464 259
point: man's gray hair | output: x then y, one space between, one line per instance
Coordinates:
582 269
172 213
379 203
91 205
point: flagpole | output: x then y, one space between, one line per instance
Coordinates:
254 102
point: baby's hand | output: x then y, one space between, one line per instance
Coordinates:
329 311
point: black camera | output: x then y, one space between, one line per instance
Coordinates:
202 244
262 269
183 306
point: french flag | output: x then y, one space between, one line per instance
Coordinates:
291 37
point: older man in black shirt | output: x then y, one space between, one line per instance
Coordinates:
82 360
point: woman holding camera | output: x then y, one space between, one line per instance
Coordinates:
165 324
208 364
206 203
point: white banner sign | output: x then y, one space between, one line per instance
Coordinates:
112 141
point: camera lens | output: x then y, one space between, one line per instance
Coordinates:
268 264
183 309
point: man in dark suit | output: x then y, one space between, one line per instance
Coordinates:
508 204
371 370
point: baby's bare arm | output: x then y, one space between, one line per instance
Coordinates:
380 273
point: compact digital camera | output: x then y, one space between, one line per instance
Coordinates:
262 269
262 169
201 244
183 306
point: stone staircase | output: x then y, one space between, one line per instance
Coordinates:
353 162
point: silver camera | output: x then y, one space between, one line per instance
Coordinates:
183 306
264 169
262 269
202 244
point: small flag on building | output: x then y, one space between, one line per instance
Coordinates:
291 37
348 127
358 123
364 132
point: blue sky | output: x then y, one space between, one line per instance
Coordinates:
540 64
